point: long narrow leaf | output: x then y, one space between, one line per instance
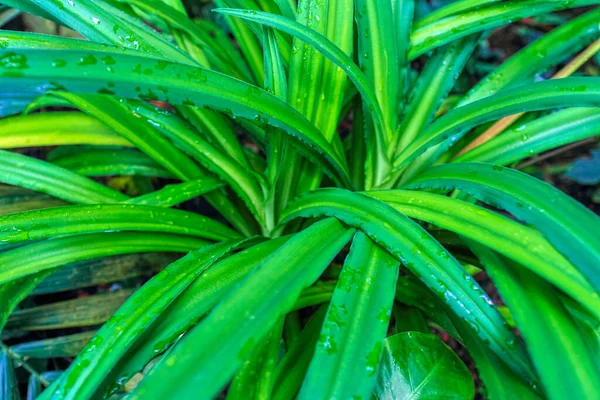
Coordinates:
567 224
349 348
279 281
424 256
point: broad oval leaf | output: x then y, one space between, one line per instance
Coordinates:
420 366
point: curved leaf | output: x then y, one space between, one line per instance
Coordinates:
456 26
536 96
191 306
259 301
512 239
54 129
534 137
19 170
104 162
422 255
112 340
567 224
538 312
328 49
349 347
550 49
50 222
116 116
171 195
84 72
53 253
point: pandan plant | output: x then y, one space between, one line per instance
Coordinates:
349 200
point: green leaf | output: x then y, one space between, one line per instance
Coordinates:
12 293
116 116
420 366
254 380
555 46
259 302
291 370
535 96
534 137
500 382
378 56
412 292
111 341
53 253
349 347
455 7
201 296
20 170
422 255
409 319
433 85
56 128
462 24
51 222
107 24
174 194
538 312
512 239
328 49
567 224
177 83
104 162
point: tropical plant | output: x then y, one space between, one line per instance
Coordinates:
344 188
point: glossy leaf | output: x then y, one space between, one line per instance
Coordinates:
60 221
349 347
422 255
194 86
201 296
112 162
27 172
538 311
567 224
288 267
534 137
517 242
53 129
420 365
126 325
53 253
455 26
535 96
